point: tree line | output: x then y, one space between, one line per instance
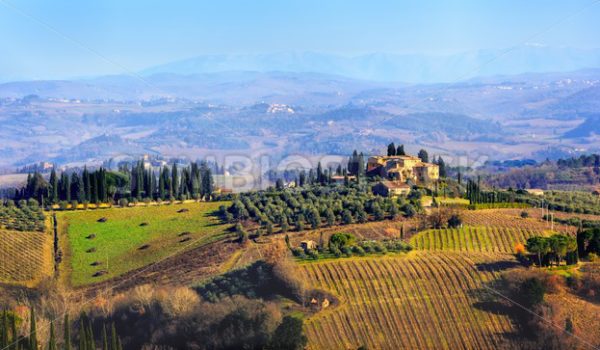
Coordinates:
11 339
136 183
553 249
476 195
592 160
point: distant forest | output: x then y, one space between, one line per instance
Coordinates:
583 171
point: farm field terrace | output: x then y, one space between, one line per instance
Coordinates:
25 257
424 300
131 238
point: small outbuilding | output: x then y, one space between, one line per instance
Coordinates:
535 191
308 245
390 188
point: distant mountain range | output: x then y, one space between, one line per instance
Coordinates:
533 115
410 68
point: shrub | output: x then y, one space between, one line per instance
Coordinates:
347 251
298 252
179 302
335 251
313 254
123 202
528 287
358 250
288 335
454 221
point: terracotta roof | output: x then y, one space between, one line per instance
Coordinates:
393 184
425 165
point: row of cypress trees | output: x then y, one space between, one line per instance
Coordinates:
102 186
11 340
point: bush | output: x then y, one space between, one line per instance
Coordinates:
298 252
524 214
313 254
123 203
288 335
358 250
347 251
335 251
528 287
379 248
454 221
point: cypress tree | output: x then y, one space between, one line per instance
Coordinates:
114 341
4 334
53 187
87 184
442 166
320 173
175 180
424 156
91 343
400 151
52 341
161 185
67 333
94 185
104 338
33 344
168 182
361 165
391 150
140 179
103 186
15 335
207 182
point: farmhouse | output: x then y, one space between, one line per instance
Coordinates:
535 191
339 179
307 245
391 188
402 169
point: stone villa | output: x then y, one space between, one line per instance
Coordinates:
402 169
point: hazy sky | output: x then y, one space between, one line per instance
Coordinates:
52 39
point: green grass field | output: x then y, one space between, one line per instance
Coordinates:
133 237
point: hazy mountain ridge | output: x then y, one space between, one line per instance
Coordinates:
289 113
412 68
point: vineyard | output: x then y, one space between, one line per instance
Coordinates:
511 218
25 257
424 300
474 239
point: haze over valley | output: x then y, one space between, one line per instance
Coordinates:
179 109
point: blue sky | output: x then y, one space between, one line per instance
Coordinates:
137 34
